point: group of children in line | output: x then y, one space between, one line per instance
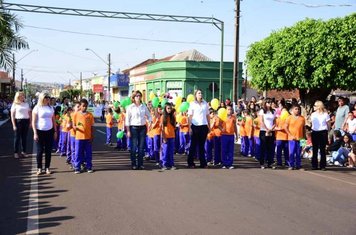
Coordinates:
75 136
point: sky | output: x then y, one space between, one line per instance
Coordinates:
56 56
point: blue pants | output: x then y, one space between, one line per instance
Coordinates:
149 142
257 147
72 145
108 135
156 147
353 137
243 145
227 150
59 145
294 153
176 140
69 148
217 149
248 145
209 150
184 142
138 142
340 155
83 152
121 143
64 140
167 156
282 145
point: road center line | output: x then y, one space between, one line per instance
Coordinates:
32 210
102 132
332 178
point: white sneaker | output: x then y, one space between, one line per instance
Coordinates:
224 167
48 172
173 168
39 171
231 167
336 163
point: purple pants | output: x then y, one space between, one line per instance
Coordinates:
168 153
72 145
294 153
149 141
227 150
247 146
63 143
108 135
70 148
156 147
184 142
176 140
282 145
217 149
59 139
83 152
257 147
209 150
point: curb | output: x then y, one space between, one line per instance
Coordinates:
4 121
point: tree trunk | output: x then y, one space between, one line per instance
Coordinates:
308 97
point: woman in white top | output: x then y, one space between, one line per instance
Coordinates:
137 115
320 125
21 120
267 135
44 130
199 118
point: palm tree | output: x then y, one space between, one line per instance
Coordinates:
10 40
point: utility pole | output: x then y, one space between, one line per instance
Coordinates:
12 85
236 58
81 84
21 79
109 74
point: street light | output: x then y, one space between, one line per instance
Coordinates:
108 63
12 87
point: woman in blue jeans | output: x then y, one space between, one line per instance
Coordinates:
137 115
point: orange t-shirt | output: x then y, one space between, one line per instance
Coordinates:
248 126
296 126
156 128
281 134
217 124
184 128
229 125
121 121
84 123
256 129
72 132
109 120
64 123
169 130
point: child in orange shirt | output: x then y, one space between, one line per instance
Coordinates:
229 130
216 127
64 133
210 140
56 142
281 141
156 134
256 137
121 144
184 134
168 122
70 159
109 118
295 127
83 123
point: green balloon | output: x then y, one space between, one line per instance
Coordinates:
116 116
163 103
184 107
120 134
155 102
116 104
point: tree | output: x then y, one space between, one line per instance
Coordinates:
313 56
9 37
70 94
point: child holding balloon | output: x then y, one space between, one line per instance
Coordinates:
109 125
208 146
156 133
183 133
229 130
121 144
256 137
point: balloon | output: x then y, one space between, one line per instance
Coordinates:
284 115
190 98
163 103
116 104
178 101
222 114
128 101
120 134
302 142
179 117
155 102
177 107
184 107
152 95
117 116
214 104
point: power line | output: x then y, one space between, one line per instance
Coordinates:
126 38
315 5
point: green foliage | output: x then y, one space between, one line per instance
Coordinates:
310 55
10 40
71 94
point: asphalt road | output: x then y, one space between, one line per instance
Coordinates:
117 200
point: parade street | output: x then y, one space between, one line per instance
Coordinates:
117 200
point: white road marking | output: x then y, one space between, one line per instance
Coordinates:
332 178
102 132
32 211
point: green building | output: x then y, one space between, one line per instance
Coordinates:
183 77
